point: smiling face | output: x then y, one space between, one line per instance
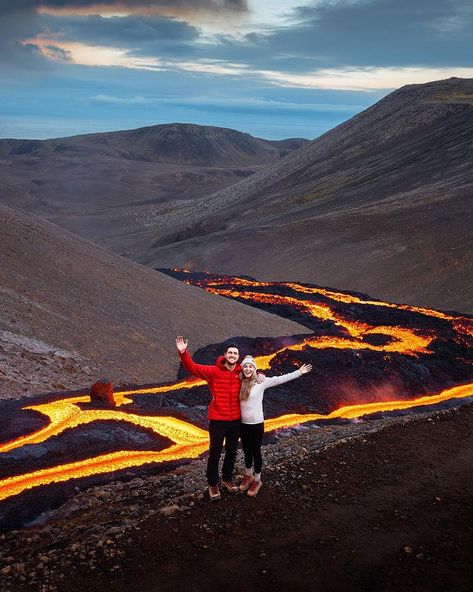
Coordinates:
231 356
248 370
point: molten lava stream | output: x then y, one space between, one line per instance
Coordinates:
196 442
189 440
355 411
64 414
461 323
186 383
406 341
106 463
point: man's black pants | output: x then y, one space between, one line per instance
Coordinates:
220 431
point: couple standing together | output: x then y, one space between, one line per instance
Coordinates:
236 410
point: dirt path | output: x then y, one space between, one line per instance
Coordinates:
389 511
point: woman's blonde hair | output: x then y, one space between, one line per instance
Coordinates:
246 385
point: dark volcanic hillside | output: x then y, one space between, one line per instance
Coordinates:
72 312
381 204
109 184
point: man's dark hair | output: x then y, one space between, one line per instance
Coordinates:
227 347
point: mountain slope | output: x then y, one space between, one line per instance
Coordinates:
72 311
103 186
381 204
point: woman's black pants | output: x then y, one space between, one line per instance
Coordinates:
220 431
251 439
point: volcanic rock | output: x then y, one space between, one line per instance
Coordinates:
101 393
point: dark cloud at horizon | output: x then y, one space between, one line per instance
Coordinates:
143 34
13 53
20 20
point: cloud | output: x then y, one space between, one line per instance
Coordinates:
297 48
127 7
93 55
133 31
178 16
364 79
15 55
346 34
251 105
247 61
374 32
57 54
137 100
97 55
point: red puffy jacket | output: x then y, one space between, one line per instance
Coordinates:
224 385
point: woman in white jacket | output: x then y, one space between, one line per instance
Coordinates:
252 418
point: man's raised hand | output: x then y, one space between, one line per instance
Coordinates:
181 344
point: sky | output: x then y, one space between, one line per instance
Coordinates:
274 69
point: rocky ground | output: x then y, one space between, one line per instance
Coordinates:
31 365
379 505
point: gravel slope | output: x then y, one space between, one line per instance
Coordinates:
72 312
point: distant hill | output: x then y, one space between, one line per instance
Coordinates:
72 312
106 185
174 143
381 204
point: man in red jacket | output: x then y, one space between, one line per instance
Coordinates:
224 412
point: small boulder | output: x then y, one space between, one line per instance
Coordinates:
169 510
101 393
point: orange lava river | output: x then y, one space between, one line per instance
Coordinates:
189 441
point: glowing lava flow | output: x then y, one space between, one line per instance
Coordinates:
192 441
188 440
460 322
405 341
65 414
106 463
354 411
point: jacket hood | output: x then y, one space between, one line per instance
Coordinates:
220 363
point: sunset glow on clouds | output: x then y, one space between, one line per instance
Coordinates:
292 52
356 79
364 79
96 55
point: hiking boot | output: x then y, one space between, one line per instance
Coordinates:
230 486
254 488
247 481
214 492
